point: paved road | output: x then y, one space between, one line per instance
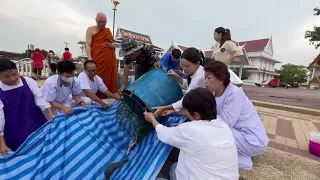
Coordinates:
293 96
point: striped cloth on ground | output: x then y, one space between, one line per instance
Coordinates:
81 146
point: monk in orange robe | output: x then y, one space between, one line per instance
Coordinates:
100 48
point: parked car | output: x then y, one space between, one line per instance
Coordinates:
285 85
260 83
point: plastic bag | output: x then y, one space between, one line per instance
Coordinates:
315 137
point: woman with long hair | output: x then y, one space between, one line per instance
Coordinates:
225 50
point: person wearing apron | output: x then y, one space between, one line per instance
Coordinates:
21 106
58 88
226 51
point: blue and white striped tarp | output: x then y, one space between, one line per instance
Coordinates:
81 146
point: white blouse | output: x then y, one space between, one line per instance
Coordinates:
197 80
207 149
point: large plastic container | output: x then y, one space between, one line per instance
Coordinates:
155 88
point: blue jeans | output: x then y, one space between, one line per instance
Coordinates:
172 172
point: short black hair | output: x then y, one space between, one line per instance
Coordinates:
192 55
53 67
67 49
219 70
66 67
176 53
202 101
6 64
87 62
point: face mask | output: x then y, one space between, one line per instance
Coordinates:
67 80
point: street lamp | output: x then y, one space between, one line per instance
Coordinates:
115 3
66 44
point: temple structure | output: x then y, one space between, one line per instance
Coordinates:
261 62
314 73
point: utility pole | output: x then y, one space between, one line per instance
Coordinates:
66 44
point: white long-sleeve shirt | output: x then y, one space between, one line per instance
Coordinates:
197 80
38 98
207 150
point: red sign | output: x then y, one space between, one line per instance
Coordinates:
135 36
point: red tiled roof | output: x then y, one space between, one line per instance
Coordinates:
255 45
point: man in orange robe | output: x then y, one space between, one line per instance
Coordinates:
100 48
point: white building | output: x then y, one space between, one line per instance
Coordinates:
261 62
314 73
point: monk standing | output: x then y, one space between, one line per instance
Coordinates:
100 48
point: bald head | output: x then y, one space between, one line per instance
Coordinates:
101 20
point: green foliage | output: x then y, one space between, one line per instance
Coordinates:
245 73
292 73
314 35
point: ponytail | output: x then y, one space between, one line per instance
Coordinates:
226 35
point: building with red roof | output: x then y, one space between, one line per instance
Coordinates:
261 62
314 73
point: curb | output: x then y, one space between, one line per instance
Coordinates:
296 109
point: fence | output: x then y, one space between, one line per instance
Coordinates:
25 69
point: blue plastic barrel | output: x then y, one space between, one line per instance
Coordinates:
156 88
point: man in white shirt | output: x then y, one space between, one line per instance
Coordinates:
91 83
207 147
21 106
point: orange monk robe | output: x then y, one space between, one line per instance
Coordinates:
106 60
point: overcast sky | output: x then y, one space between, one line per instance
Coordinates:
49 23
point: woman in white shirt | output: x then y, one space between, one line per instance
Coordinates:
234 108
225 50
207 147
190 61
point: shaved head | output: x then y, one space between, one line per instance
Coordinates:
101 20
101 15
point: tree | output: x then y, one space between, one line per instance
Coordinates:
314 35
245 73
292 73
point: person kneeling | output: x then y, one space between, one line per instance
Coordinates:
21 106
207 147
58 88
91 83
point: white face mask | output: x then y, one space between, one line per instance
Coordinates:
67 80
